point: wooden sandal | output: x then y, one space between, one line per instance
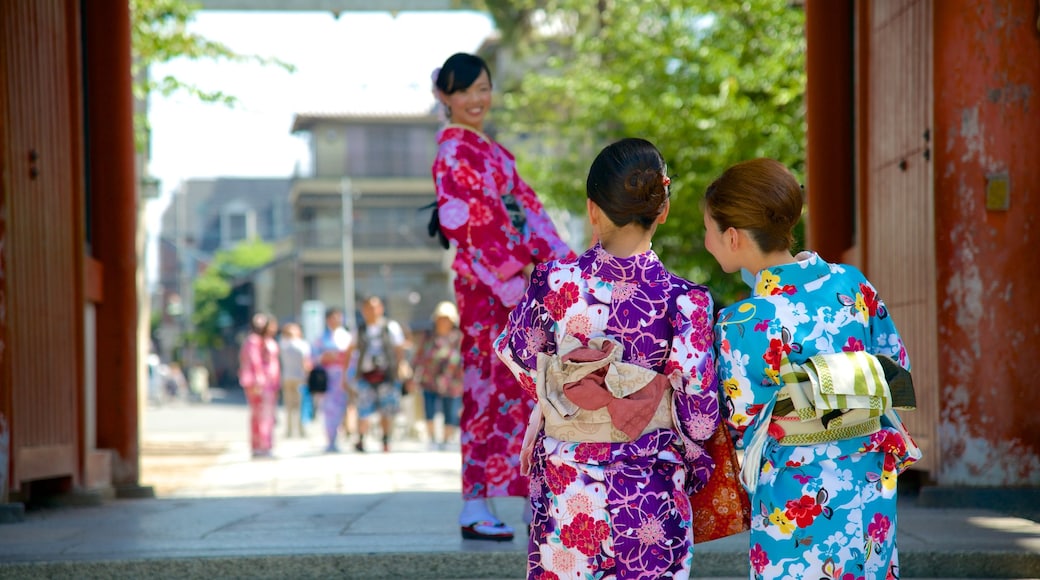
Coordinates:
471 532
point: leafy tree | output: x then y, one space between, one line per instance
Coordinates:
710 83
160 34
213 288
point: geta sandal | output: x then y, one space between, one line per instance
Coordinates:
471 532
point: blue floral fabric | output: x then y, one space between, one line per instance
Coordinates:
826 510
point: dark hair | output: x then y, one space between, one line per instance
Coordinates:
627 182
332 311
459 72
759 196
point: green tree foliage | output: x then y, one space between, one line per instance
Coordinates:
213 287
160 34
709 82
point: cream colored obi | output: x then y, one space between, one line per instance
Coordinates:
588 394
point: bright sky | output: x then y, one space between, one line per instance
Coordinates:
363 61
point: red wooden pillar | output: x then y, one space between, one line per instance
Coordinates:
112 203
830 118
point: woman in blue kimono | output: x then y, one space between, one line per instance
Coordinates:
826 506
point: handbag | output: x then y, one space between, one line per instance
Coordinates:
317 380
722 507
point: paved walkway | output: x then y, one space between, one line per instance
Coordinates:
307 514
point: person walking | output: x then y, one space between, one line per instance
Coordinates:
618 351
380 353
438 372
330 352
296 363
258 373
824 498
500 231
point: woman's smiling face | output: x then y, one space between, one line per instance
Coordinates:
470 106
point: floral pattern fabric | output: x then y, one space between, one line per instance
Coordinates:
827 510
618 510
438 364
472 174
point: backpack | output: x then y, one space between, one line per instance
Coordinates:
317 380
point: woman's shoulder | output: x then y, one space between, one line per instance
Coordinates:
757 306
687 287
457 134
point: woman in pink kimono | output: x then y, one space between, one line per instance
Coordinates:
619 351
260 377
500 231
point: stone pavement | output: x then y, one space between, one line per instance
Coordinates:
307 514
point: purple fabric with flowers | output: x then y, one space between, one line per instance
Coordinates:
618 509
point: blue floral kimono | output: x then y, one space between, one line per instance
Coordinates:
825 510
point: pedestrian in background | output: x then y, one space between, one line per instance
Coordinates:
619 352
824 499
330 352
438 372
500 231
380 354
258 373
296 363
199 383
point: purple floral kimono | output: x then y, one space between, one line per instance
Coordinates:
618 510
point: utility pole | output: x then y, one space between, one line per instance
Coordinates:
347 201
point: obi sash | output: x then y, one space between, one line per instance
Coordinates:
838 396
831 397
587 394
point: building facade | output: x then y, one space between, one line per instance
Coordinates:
206 216
358 217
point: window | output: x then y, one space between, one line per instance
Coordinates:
398 151
236 228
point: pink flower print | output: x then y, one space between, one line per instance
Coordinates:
683 506
622 291
595 452
762 325
535 339
454 213
759 558
480 214
579 325
698 298
558 476
853 345
671 366
585 534
579 504
878 528
557 302
651 532
498 470
467 176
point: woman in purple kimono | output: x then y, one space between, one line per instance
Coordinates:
500 230
619 352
